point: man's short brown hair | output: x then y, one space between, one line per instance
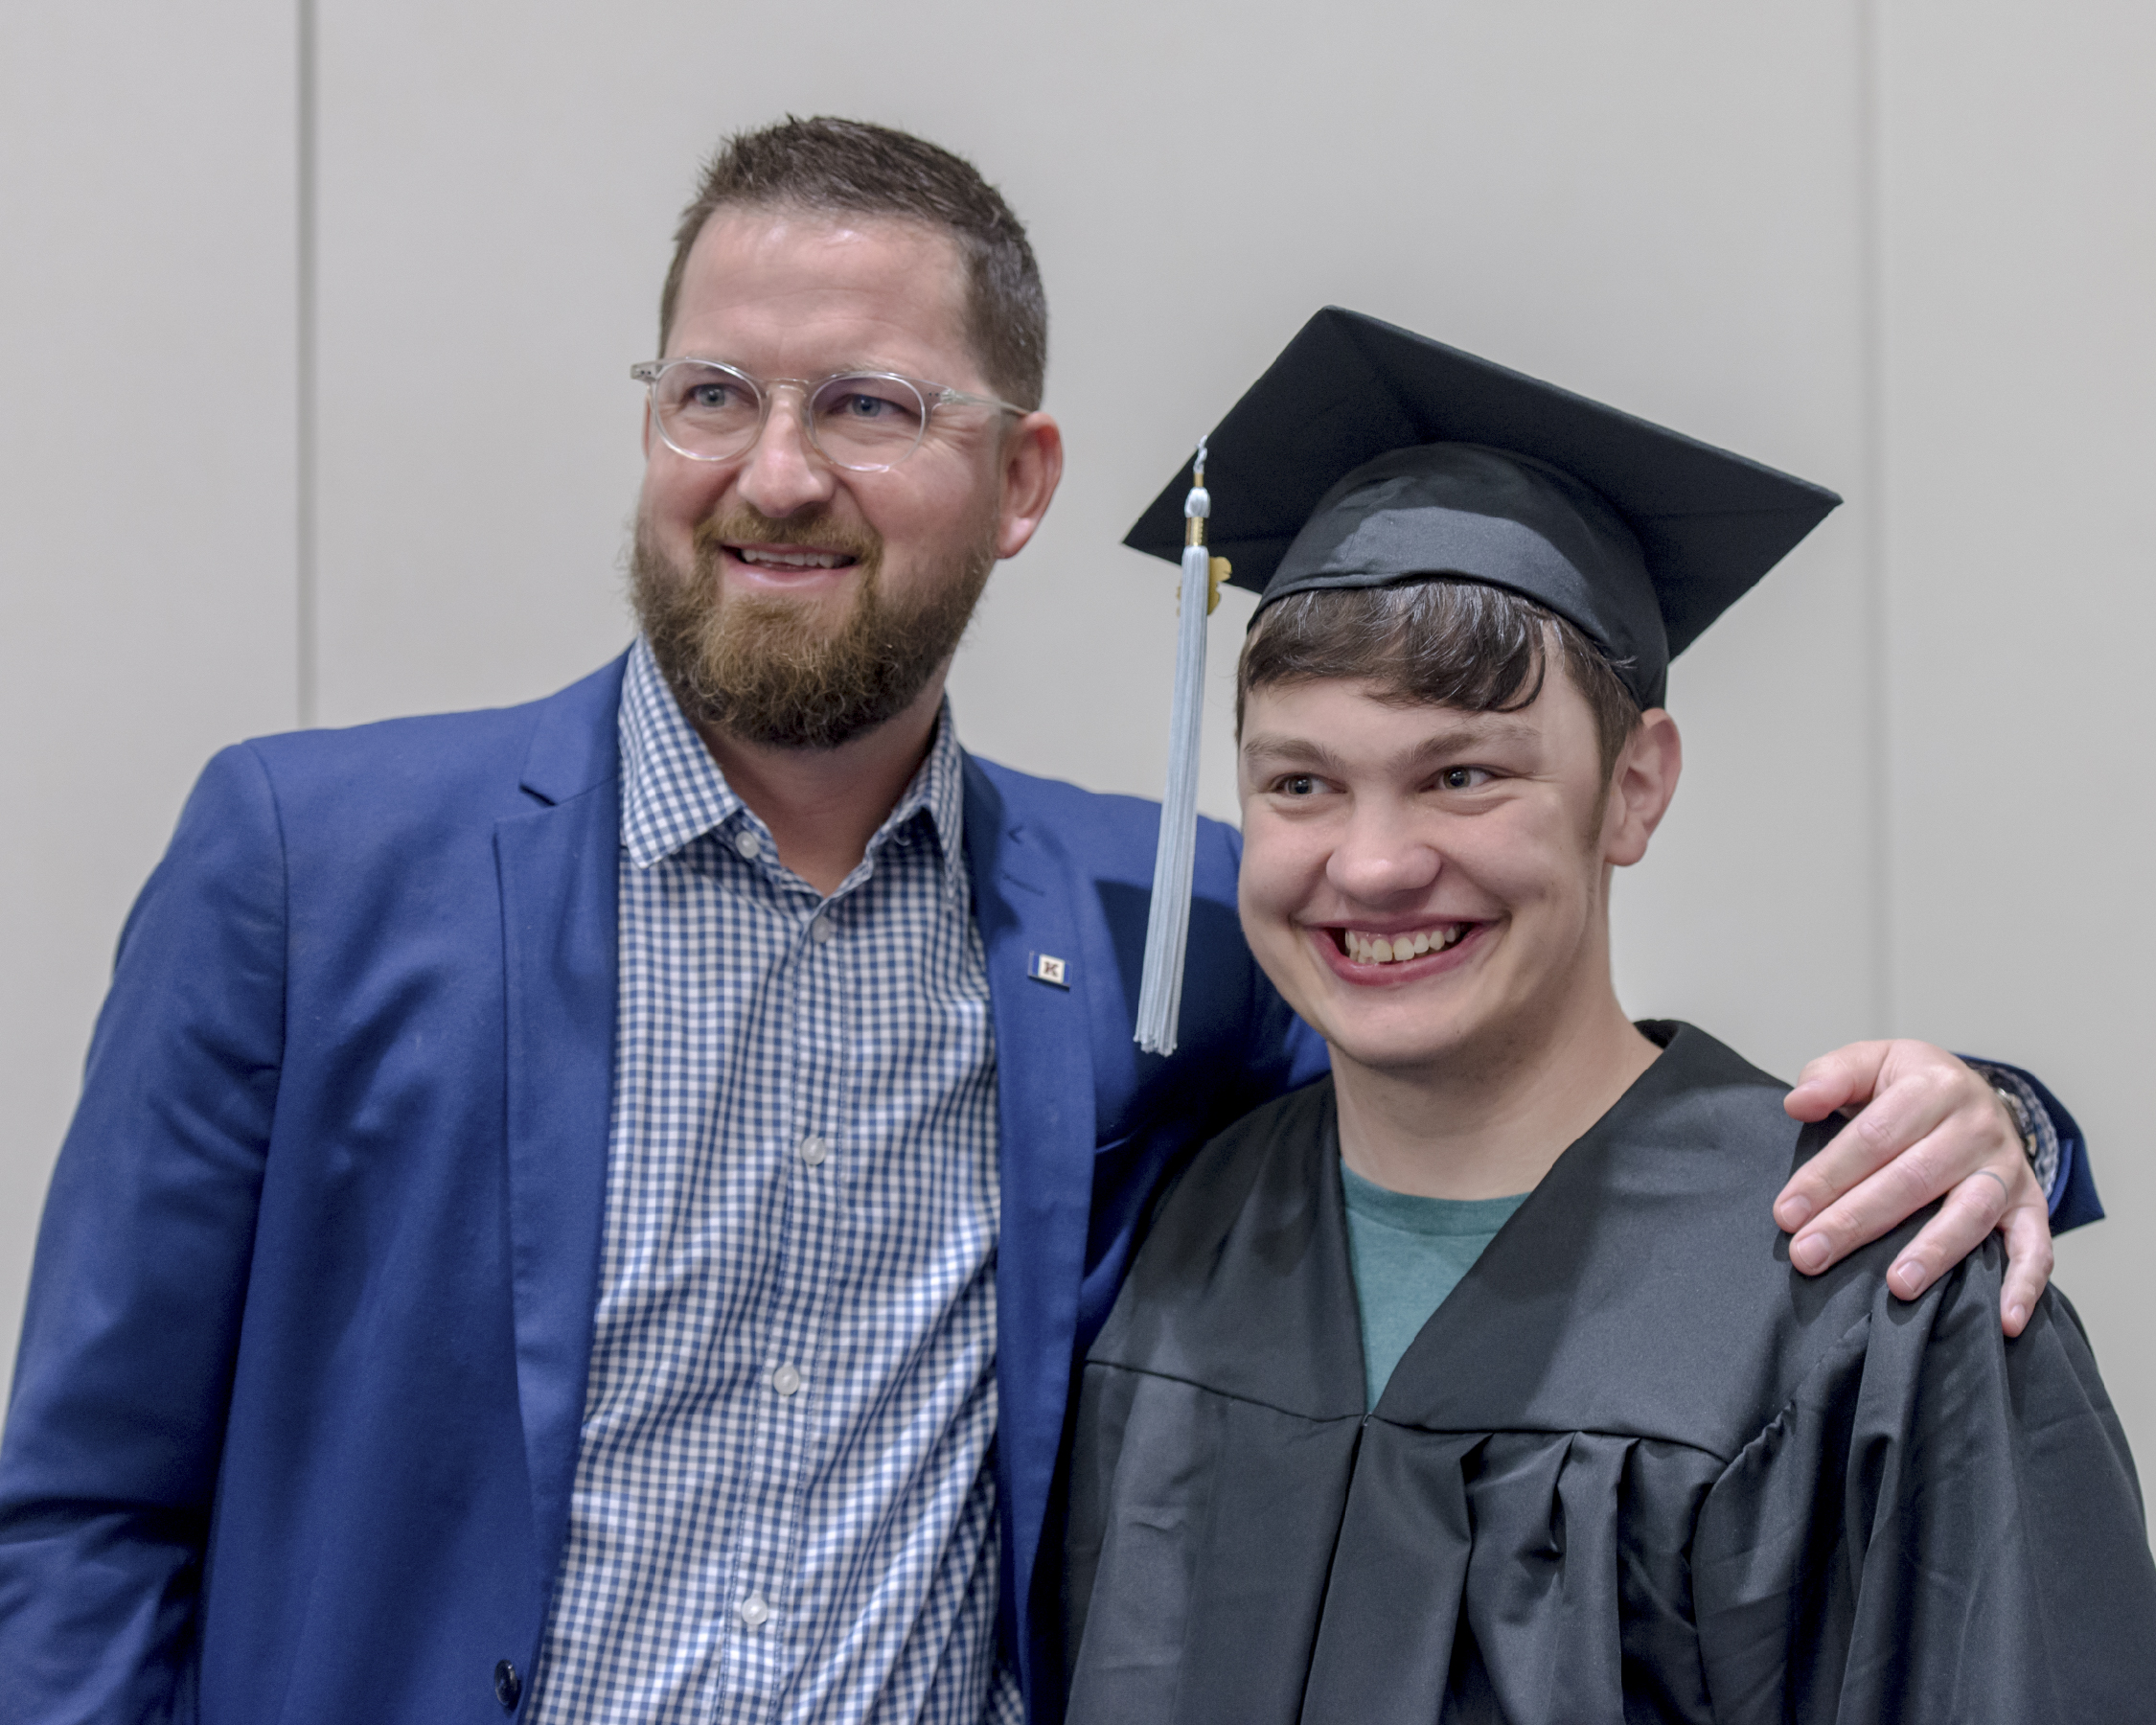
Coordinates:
1434 643
851 166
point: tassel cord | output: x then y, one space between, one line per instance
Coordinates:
1167 927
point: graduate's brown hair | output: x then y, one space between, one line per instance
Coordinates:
1434 643
856 168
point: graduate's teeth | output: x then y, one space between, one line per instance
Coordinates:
1394 948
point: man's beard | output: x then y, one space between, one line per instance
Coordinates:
770 669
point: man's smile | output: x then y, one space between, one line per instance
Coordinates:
789 559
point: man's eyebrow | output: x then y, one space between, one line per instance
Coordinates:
872 366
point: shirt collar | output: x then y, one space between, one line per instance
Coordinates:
673 791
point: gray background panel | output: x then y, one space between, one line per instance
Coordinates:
1904 249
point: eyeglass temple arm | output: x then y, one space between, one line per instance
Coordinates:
947 396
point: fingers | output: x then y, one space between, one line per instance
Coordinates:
1971 1211
2027 1227
1858 1187
1877 1202
1932 1127
1849 1074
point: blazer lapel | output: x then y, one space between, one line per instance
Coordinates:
557 865
1044 1135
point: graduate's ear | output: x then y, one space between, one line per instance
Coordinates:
1641 784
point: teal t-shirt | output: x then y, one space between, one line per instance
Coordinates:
1408 1253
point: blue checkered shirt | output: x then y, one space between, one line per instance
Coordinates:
785 1504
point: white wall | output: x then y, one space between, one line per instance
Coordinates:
2019 471
148 191
1904 250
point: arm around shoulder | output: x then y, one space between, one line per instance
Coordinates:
116 1421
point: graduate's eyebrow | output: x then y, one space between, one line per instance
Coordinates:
1270 750
1464 736
1472 732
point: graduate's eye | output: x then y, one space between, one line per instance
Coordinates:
1463 778
1298 784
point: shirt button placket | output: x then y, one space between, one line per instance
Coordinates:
819 1044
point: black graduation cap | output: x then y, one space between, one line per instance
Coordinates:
1368 455
1324 475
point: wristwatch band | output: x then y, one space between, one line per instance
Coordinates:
2039 1139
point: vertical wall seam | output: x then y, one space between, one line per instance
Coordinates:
307 642
1878 657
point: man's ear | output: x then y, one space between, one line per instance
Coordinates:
1032 470
1640 786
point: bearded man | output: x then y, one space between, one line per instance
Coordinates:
588 1211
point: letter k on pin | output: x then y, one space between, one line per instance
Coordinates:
1045 969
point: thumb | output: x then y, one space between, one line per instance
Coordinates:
1849 1074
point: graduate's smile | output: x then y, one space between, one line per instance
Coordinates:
1389 956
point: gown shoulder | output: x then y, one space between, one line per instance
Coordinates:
1634 1467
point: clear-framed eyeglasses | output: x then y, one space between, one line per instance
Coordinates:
866 421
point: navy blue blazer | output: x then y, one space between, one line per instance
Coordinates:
295 1418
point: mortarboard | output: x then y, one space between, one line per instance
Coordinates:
1367 454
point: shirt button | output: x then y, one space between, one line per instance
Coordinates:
748 844
820 931
813 1150
786 1380
754 1610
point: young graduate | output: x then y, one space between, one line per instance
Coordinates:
1472 1383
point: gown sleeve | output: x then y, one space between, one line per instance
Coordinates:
1939 1526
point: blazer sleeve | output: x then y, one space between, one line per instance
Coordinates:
2061 1151
1942 1525
117 1415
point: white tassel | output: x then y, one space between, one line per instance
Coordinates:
1167 930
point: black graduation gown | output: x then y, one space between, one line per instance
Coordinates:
1634 1467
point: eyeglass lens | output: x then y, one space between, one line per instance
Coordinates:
860 421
